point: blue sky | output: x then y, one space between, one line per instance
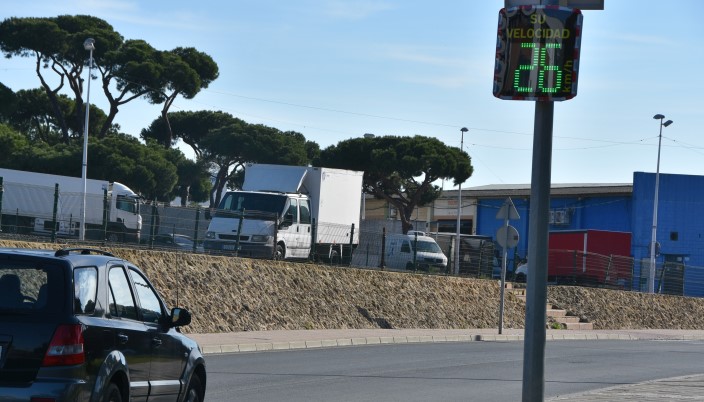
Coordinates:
337 69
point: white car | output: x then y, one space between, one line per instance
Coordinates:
521 274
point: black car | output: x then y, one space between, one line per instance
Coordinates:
83 325
174 241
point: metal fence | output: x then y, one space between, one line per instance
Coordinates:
184 228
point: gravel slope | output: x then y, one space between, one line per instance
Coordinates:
232 294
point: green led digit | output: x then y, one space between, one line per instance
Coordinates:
557 81
526 67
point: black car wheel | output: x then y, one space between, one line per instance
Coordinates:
112 393
194 390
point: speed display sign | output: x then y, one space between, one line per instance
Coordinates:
537 53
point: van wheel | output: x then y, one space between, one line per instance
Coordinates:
521 277
112 393
280 252
409 266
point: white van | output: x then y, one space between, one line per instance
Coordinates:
400 250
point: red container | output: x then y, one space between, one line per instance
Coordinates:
590 257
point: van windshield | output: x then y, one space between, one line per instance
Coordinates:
251 203
425 246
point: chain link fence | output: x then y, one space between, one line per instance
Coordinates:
370 246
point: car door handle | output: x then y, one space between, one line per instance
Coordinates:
156 341
122 338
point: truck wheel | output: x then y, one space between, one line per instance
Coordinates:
280 252
114 237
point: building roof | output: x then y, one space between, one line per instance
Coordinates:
556 189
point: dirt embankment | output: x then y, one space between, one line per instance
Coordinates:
233 294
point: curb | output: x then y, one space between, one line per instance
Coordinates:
383 340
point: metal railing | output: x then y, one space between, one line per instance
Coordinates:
179 228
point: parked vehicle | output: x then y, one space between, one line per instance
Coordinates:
82 324
586 257
521 274
414 251
174 241
477 253
46 204
290 212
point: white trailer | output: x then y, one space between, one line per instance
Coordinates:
39 203
290 212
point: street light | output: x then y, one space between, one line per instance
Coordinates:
89 45
653 242
459 212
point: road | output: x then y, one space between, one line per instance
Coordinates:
472 371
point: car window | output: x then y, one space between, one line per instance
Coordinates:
85 289
148 300
29 287
405 247
121 300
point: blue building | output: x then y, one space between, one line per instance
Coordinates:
617 207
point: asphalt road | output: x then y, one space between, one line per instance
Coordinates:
472 371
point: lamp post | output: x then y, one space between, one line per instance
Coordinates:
459 212
653 242
88 44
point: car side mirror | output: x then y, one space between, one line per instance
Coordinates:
180 317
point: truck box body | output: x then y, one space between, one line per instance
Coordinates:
329 206
589 256
29 197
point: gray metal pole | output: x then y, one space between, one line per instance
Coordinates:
536 299
458 240
502 291
654 235
84 166
2 190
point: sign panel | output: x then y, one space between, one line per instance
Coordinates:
537 53
507 237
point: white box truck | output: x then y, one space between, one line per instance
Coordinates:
28 201
289 212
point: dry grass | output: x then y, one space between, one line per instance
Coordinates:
234 294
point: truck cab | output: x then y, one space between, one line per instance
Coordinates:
261 224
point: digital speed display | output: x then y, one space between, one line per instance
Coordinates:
537 53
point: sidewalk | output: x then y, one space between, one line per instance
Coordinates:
253 341
680 388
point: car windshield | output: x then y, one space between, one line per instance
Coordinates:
28 288
425 246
